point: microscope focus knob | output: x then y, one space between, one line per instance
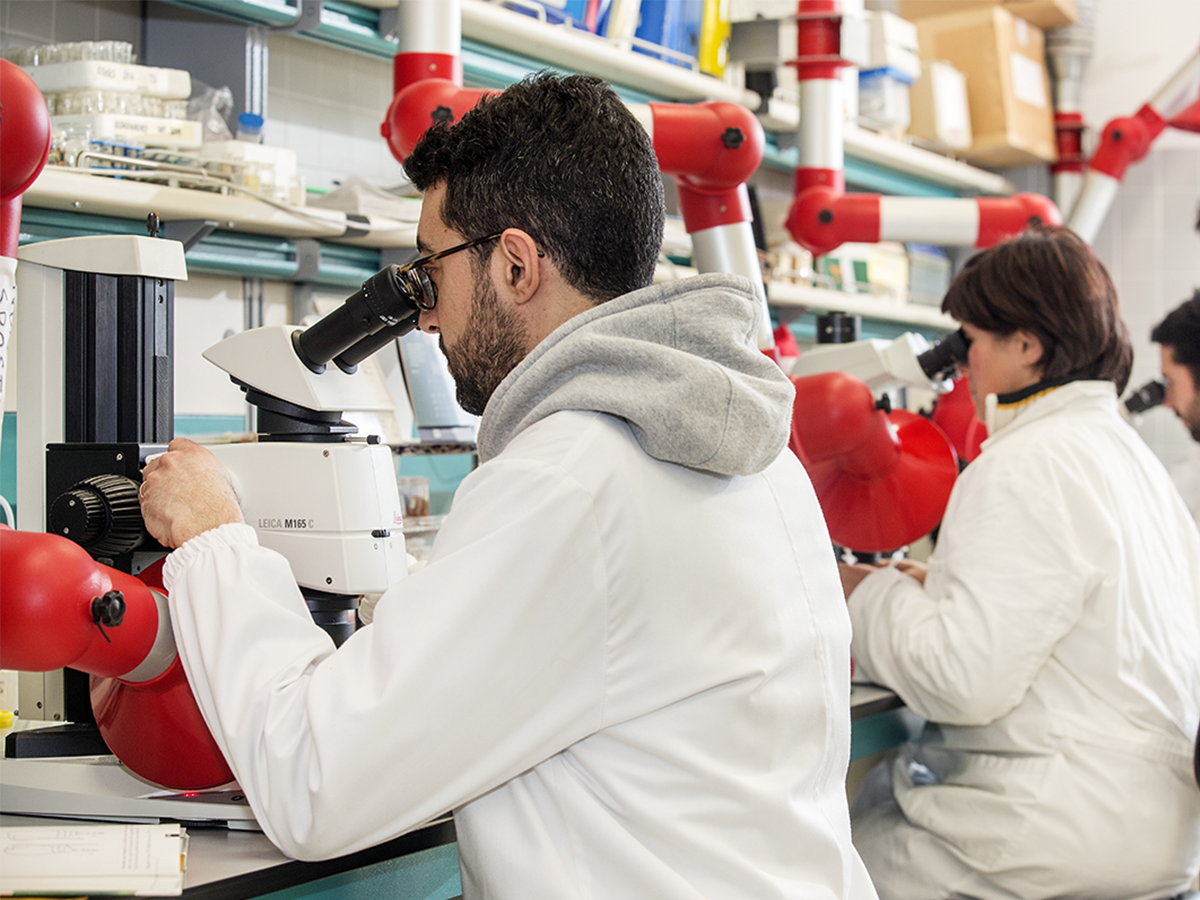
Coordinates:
101 514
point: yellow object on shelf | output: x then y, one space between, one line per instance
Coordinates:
715 30
6 718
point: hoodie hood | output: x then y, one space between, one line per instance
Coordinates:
678 361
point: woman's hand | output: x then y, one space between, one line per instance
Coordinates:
852 575
185 492
914 570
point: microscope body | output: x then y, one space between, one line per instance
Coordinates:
332 509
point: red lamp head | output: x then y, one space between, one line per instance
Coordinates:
883 478
24 130
24 146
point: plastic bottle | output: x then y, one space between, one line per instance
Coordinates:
249 128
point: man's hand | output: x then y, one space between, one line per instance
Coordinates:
184 492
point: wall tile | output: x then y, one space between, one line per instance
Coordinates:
33 21
1152 250
279 66
333 76
74 20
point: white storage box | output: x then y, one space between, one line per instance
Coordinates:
894 44
95 74
883 100
929 272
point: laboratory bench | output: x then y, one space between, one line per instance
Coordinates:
423 864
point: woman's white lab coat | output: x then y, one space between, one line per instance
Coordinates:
1056 644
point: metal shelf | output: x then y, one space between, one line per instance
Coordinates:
882 318
256 240
872 162
875 309
894 167
220 253
487 30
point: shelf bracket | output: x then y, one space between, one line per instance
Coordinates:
188 232
308 260
308 17
389 23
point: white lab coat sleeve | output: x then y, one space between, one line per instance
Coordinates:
1005 583
476 668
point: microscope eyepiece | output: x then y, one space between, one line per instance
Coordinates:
386 306
940 360
1146 397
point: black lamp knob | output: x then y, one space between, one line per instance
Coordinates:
109 609
79 514
101 513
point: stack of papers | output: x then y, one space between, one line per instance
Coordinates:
77 858
359 197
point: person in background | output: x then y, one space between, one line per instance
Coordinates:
1051 643
1179 337
625 666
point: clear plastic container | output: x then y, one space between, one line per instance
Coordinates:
50 54
250 127
66 143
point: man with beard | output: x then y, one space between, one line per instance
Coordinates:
1179 335
625 665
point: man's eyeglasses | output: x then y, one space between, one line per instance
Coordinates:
415 282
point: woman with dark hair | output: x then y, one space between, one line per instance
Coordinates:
1051 644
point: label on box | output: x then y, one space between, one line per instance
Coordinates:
141 130
95 74
1027 82
1022 32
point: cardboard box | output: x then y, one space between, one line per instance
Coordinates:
939 112
1008 91
1042 13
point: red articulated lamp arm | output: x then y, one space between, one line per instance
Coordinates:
710 150
823 216
427 90
822 219
1126 140
62 608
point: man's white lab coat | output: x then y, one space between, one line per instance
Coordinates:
1057 645
627 677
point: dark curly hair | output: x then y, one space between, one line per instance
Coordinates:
563 159
1049 282
1180 331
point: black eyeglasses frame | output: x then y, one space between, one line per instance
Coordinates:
423 292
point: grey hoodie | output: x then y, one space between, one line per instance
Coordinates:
679 361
